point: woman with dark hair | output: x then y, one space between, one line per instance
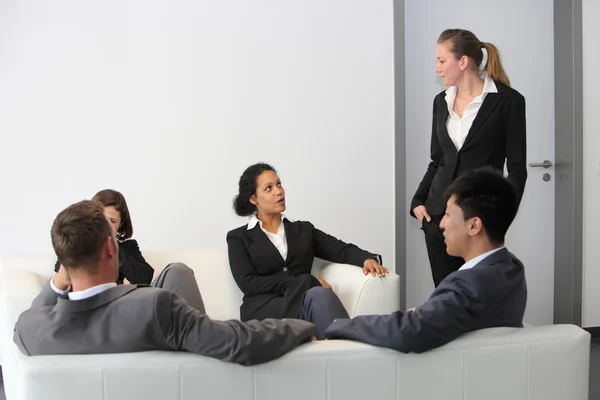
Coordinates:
478 121
133 268
271 257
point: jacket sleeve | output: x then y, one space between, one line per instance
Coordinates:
516 145
185 328
332 249
436 154
249 281
47 297
134 267
444 317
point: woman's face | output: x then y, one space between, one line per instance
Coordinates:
113 216
269 198
450 69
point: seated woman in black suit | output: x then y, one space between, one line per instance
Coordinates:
271 257
133 268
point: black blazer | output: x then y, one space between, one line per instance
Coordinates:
498 133
491 294
132 264
262 274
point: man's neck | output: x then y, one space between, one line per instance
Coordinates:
83 283
479 249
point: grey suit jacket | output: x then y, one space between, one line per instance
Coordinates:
131 318
492 293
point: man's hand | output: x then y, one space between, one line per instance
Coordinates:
61 279
371 266
411 309
126 282
324 283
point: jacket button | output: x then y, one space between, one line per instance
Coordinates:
285 269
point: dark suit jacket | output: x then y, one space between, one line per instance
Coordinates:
262 274
132 264
129 318
498 133
493 293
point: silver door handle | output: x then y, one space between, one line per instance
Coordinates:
544 164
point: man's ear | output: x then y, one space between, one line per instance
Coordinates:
475 226
110 246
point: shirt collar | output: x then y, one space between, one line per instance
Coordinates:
254 220
488 87
94 290
474 261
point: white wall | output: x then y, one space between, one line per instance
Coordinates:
591 158
526 47
168 102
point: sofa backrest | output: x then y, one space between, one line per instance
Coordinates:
220 293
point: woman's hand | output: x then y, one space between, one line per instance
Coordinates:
421 212
324 283
371 266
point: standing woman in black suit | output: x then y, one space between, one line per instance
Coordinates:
271 257
133 268
478 121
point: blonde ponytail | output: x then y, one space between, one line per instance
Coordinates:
494 65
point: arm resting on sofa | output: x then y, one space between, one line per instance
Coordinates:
360 294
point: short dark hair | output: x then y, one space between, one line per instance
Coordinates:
487 194
78 234
247 188
112 198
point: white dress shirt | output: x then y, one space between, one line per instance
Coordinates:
458 127
278 239
83 294
474 261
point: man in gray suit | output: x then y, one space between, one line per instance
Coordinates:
489 290
81 310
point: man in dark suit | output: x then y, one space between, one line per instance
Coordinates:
489 290
81 310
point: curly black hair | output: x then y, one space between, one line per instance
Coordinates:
247 187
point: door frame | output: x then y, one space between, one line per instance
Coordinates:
568 119
568 158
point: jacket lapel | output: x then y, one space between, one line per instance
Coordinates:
263 241
488 106
442 118
292 232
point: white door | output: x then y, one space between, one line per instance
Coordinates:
523 31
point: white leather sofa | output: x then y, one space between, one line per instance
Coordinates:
548 363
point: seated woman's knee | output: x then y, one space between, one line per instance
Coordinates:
319 291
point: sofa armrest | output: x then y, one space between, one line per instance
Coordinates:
360 294
11 307
21 281
18 289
